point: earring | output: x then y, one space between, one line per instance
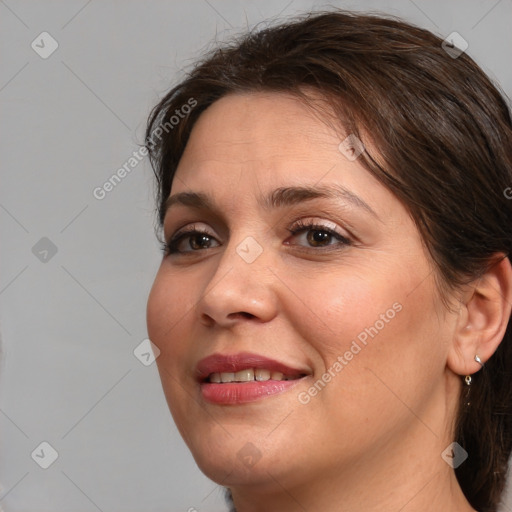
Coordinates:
468 380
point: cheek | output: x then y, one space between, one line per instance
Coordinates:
373 340
160 307
168 325
332 311
168 318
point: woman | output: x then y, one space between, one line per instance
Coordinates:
333 304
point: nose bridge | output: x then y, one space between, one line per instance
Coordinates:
236 286
243 258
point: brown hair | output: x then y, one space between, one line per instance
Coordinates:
443 138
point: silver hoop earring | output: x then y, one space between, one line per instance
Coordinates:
479 361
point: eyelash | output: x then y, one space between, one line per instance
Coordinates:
304 226
170 247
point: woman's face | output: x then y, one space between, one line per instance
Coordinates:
304 264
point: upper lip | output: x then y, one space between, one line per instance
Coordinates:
224 363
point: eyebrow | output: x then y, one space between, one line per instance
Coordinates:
281 197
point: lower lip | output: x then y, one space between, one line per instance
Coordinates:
243 392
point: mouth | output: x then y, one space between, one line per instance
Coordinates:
241 378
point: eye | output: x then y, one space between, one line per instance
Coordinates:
316 235
190 240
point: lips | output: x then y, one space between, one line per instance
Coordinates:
224 379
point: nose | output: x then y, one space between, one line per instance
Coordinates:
239 289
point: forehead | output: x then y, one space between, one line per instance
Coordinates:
260 126
252 143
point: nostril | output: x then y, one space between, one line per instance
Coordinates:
241 314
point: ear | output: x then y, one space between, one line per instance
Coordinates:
482 318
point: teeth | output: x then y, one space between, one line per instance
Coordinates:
261 375
248 375
216 378
227 377
244 375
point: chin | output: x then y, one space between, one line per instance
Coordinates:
229 468
239 457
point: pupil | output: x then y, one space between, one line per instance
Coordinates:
318 237
200 242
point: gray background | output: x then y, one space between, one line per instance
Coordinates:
71 321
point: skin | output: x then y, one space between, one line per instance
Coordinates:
372 438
